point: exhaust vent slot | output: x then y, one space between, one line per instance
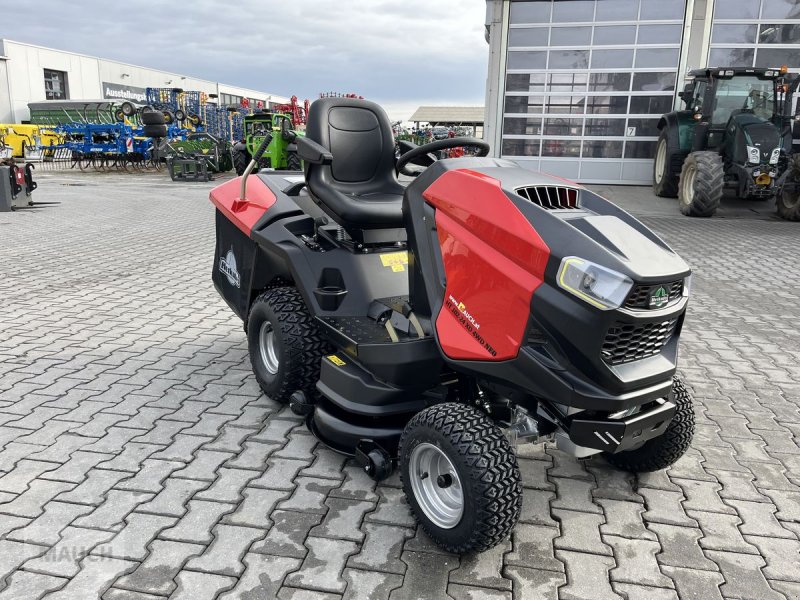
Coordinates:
551 197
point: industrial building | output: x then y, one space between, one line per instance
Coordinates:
31 73
576 87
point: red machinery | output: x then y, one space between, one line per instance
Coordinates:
294 109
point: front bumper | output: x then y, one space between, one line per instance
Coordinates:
618 435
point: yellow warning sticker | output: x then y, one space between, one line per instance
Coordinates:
397 261
336 360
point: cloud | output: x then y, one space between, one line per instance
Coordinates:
398 53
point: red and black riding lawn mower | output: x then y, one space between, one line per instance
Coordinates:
435 326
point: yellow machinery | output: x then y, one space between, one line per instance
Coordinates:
27 141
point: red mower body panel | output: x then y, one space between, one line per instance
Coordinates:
493 261
244 214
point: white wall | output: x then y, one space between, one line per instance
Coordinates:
24 81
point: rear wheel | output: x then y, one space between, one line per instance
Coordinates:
661 452
284 343
665 180
460 477
787 200
293 162
701 183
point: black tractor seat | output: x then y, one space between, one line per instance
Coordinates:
351 176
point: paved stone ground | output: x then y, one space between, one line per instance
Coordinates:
140 461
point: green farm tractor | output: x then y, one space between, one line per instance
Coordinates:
734 132
281 152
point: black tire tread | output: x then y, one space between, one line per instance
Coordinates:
495 477
709 184
293 162
240 160
791 211
661 452
301 337
668 188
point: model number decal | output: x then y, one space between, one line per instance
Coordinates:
336 360
397 261
468 322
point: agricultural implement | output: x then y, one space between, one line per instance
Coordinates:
281 152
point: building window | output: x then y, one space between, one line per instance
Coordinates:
577 69
750 33
55 85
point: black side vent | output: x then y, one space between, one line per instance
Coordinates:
551 197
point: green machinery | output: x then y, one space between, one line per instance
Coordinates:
281 152
734 132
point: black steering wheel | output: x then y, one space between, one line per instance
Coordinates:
456 142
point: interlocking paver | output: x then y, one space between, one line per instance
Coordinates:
94 488
580 532
624 519
193 585
63 558
365 584
223 555
484 569
262 577
721 532
381 549
14 554
31 502
280 474
46 528
426 576
743 575
31 586
343 519
680 548
110 515
171 501
132 541
256 508
535 583
533 547
693 583
587 576
782 556
287 534
95 576
392 508
636 562
309 495
196 524
156 573
323 564
76 469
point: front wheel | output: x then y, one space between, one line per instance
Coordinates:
665 180
240 158
664 450
701 184
460 477
284 343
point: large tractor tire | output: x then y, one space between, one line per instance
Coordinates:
284 343
293 162
787 200
152 117
665 180
661 452
240 157
701 184
155 131
461 477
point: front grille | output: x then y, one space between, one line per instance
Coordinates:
639 298
627 342
551 197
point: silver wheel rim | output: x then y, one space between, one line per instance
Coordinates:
687 193
268 346
436 485
661 160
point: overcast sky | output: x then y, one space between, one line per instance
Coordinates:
401 54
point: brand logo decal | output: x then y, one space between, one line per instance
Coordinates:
659 297
227 266
468 322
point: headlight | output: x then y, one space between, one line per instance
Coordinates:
754 155
773 158
600 287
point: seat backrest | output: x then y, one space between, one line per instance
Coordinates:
359 136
